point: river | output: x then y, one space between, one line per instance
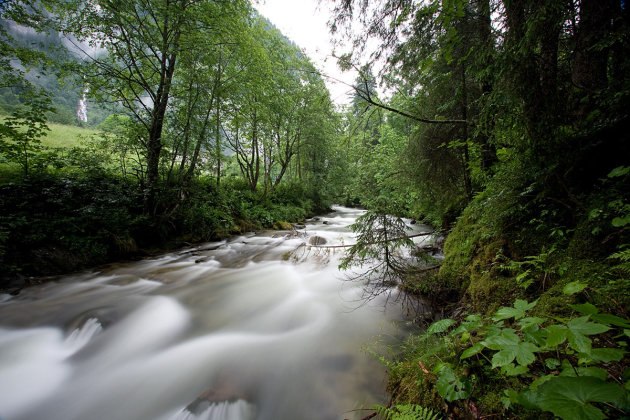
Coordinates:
254 327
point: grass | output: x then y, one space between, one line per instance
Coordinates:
60 136
64 136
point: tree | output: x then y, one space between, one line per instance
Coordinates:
21 133
143 42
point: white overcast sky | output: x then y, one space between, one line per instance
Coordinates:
305 23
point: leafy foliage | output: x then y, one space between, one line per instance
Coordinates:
406 412
531 349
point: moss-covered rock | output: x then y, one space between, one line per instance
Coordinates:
282 225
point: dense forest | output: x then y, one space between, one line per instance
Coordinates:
506 128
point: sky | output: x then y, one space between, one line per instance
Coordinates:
305 23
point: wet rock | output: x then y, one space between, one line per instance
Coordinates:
317 240
299 226
282 226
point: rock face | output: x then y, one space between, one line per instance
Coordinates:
317 240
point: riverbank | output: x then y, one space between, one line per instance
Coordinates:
58 223
520 277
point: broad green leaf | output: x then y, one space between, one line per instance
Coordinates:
440 326
474 318
609 319
541 380
583 326
511 370
503 358
506 337
573 288
556 335
627 332
569 370
525 353
472 322
605 354
535 335
579 328
450 386
511 397
510 347
552 363
569 397
516 312
579 342
526 322
621 221
585 308
471 351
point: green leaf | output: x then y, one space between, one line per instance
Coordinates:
503 358
610 319
516 312
535 335
619 171
510 347
585 308
441 326
474 318
471 351
621 221
579 328
505 337
556 335
472 322
605 354
541 380
511 370
573 288
579 342
552 363
450 386
569 397
525 353
511 397
582 326
529 321
521 277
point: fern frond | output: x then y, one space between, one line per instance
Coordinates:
406 412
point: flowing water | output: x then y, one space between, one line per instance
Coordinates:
255 327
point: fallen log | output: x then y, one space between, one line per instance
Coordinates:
372 243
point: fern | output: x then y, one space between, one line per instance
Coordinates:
624 258
406 412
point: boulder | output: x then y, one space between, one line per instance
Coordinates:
317 240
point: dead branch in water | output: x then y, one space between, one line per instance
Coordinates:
371 243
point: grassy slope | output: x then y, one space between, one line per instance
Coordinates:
66 135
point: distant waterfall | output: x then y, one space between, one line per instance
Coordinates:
82 106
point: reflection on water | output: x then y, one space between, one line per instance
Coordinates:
227 330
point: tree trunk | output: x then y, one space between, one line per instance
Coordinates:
154 142
464 114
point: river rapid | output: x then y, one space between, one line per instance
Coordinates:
255 327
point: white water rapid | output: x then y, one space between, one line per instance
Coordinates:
241 329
